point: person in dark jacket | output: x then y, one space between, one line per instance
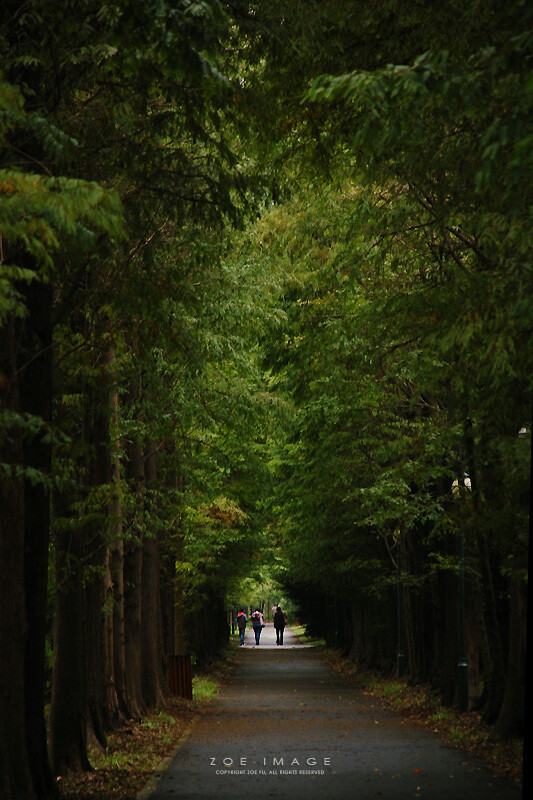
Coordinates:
241 624
280 620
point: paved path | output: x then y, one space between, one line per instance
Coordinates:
286 727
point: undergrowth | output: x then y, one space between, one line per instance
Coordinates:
466 731
136 749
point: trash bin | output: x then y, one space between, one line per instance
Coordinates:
179 676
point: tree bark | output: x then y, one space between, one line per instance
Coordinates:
36 399
511 721
100 715
133 594
495 679
446 636
152 671
102 699
180 645
116 560
479 642
119 637
172 590
15 774
68 712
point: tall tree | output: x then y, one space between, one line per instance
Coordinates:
37 210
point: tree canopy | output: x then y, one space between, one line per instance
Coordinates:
265 313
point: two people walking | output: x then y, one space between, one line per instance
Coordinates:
258 623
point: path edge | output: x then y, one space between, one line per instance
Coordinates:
152 783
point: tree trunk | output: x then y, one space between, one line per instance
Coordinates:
100 715
68 713
133 595
180 645
68 710
446 634
119 638
415 601
495 680
511 720
352 643
173 622
102 700
152 672
15 775
172 590
479 641
132 625
116 561
36 399
82 693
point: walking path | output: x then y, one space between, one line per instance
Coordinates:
286 727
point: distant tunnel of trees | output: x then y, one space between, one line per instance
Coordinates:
265 308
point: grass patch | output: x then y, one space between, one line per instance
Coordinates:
132 753
135 750
304 638
204 688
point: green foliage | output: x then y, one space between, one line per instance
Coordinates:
138 97
305 384
40 213
380 361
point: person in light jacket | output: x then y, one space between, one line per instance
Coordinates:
258 623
